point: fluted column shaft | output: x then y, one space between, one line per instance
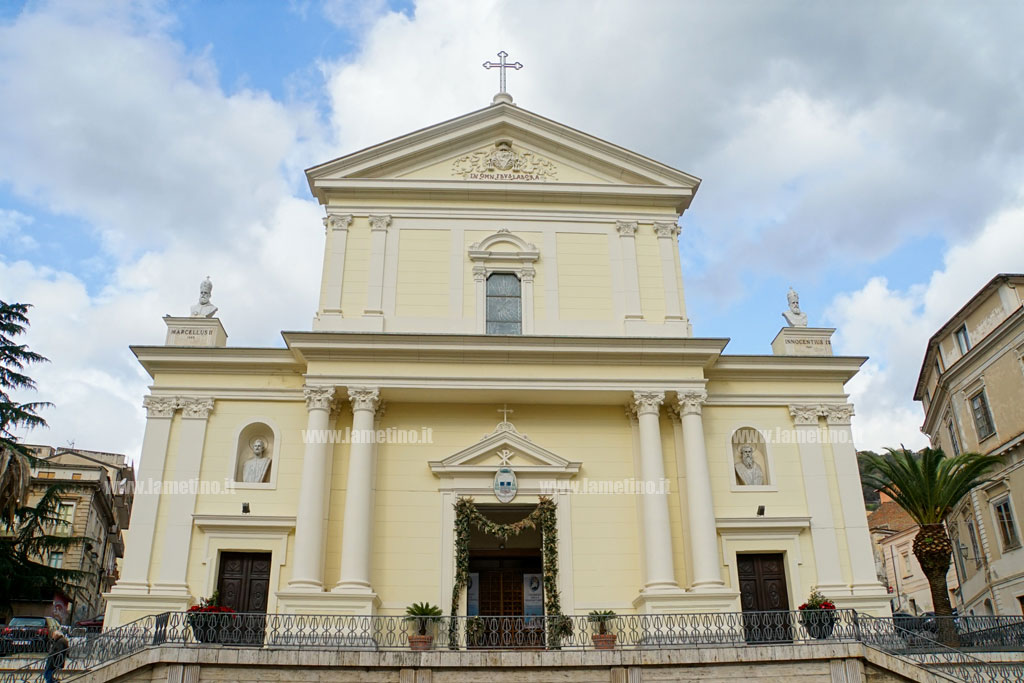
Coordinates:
660 569
357 526
310 519
707 572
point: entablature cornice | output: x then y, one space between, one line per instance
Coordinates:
826 368
462 348
224 360
505 191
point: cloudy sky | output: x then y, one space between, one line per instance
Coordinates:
871 155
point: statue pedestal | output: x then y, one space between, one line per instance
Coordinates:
203 332
803 341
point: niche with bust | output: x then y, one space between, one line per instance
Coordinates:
254 456
750 461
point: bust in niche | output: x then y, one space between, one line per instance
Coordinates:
254 471
748 471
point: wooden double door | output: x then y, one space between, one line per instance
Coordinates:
243 584
501 600
764 597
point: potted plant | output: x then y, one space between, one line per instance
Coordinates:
559 628
422 615
602 639
818 615
209 619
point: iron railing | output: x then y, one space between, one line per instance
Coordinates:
640 631
923 646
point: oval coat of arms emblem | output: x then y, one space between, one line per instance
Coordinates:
505 485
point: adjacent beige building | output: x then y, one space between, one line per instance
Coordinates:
972 388
96 505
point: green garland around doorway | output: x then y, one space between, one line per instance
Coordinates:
543 517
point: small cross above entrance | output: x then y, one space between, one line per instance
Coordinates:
505 410
501 66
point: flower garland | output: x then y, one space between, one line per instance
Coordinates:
543 517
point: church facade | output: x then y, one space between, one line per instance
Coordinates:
501 317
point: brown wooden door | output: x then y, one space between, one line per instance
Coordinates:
762 591
501 600
244 581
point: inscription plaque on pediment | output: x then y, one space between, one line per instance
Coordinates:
502 162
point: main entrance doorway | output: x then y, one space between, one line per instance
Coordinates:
244 581
763 591
506 577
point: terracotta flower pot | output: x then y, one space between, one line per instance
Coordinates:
420 643
604 641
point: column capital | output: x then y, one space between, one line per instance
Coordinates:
318 398
666 229
379 223
337 222
160 406
527 273
195 408
690 401
838 414
626 228
648 402
479 273
364 398
806 414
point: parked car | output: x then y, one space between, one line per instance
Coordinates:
91 625
27 634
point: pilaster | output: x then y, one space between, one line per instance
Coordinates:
819 504
630 274
336 228
173 571
375 279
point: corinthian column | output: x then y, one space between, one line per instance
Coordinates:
314 489
357 525
661 573
707 572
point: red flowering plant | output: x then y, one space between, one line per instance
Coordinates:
817 601
209 618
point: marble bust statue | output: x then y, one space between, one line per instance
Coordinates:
749 472
794 316
204 309
255 468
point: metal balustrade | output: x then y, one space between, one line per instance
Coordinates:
918 644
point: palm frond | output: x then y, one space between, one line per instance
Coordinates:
926 484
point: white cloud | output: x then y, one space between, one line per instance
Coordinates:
181 180
12 230
893 326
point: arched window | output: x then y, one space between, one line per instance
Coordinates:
504 304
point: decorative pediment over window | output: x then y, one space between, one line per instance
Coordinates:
503 246
505 447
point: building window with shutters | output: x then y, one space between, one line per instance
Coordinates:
954 443
975 549
963 341
1005 522
982 415
504 304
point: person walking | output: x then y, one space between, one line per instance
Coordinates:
55 658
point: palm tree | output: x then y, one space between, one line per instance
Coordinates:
927 485
15 458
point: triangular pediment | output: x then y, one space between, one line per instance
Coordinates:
504 447
500 143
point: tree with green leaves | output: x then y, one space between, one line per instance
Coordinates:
35 533
15 459
927 485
